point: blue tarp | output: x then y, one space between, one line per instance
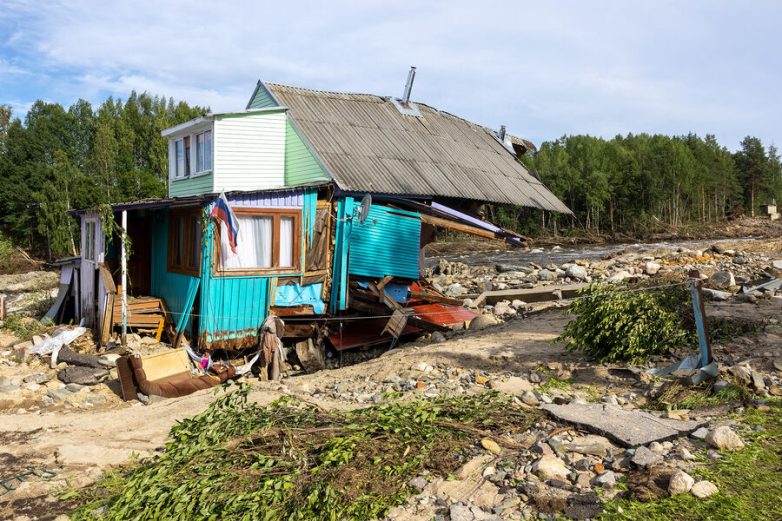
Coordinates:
295 295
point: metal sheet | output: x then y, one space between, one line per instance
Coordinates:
369 146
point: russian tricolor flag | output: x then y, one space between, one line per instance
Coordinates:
221 211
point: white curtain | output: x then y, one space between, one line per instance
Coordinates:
286 242
253 244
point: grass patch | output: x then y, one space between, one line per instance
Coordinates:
748 480
23 326
680 396
291 460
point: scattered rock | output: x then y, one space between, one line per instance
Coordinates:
550 467
700 433
37 378
529 398
724 438
644 457
606 479
513 385
576 272
483 321
681 483
418 483
651 268
460 512
703 489
491 446
723 279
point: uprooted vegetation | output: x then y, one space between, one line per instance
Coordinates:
292 460
617 325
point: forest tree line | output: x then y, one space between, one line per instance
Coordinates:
58 159
641 182
80 157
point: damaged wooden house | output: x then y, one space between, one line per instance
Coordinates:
333 195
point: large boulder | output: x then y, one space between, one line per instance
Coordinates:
651 268
551 467
722 279
483 321
724 438
576 272
680 483
704 489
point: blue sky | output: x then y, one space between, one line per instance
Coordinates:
544 69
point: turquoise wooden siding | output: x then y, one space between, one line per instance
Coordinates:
202 184
339 270
261 98
301 166
171 287
386 243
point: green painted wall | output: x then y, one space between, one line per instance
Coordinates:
301 166
203 184
261 98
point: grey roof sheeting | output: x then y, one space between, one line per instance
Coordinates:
369 146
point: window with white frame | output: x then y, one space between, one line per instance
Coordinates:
204 151
182 155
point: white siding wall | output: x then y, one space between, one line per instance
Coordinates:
249 152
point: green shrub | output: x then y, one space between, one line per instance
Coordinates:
616 325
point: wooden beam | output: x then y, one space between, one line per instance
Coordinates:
430 296
445 223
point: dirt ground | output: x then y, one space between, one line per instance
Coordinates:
78 445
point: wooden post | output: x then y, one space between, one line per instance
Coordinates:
698 309
124 261
3 306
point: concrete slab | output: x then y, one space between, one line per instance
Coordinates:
631 428
537 294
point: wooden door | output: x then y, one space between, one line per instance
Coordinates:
91 257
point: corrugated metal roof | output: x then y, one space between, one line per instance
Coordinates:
369 146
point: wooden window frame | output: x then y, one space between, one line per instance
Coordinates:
276 214
184 268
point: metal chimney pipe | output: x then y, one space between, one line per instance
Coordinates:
501 135
409 85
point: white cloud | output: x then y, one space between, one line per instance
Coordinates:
543 68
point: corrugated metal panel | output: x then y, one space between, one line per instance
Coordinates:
171 287
386 243
280 199
369 146
202 184
231 307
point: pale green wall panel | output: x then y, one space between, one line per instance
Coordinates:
301 166
261 98
203 184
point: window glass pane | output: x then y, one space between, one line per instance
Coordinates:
254 244
195 247
208 150
286 242
186 170
180 159
200 153
180 240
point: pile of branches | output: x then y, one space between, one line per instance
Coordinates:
293 460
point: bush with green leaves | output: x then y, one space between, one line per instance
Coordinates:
612 324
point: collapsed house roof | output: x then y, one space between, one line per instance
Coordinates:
368 144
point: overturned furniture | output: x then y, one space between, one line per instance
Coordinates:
169 374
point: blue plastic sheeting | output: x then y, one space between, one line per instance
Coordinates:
295 295
398 292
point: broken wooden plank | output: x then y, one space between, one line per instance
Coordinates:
431 296
539 294
445 223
